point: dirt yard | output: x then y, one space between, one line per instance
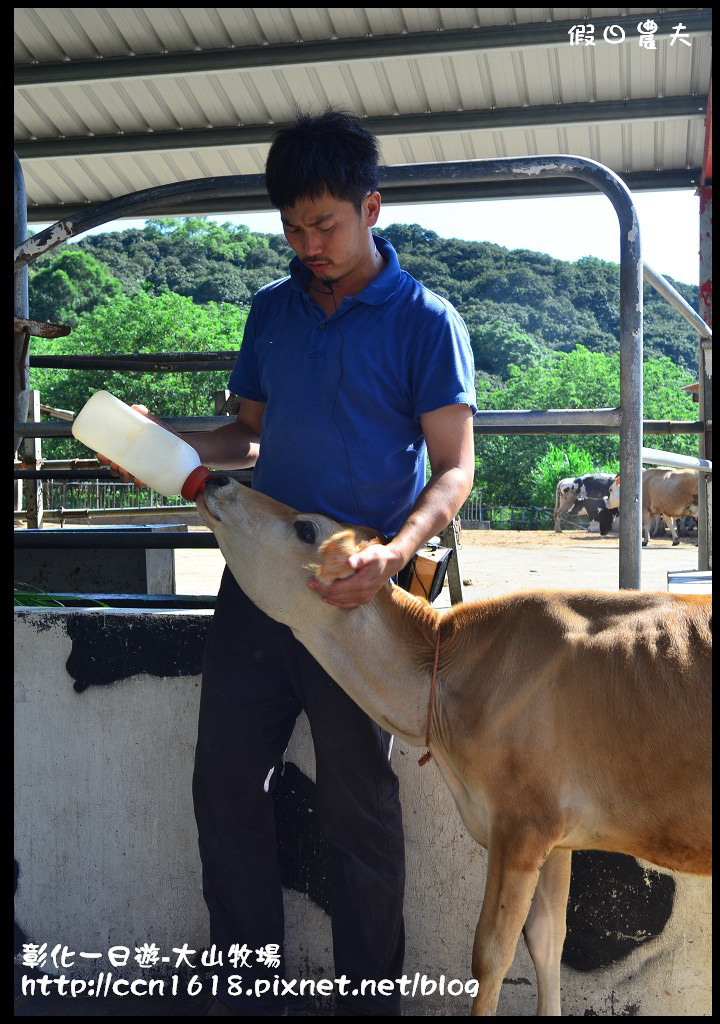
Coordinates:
499 561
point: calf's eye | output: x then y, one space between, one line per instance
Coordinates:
306 531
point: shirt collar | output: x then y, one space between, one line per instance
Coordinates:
374 293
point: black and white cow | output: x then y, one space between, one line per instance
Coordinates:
587 494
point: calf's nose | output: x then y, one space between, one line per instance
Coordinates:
217 480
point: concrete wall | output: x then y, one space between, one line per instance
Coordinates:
105 705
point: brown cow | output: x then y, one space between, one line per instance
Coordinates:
665 492
541 756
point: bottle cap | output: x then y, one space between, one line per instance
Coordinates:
195 483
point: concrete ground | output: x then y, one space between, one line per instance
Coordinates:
491 562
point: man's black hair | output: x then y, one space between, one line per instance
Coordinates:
317 153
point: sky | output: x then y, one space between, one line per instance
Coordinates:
566 228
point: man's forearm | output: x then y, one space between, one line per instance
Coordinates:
232 446
435 508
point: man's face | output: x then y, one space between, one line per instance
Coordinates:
330 236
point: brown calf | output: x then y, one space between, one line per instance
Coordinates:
541 756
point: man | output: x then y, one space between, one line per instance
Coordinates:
349 371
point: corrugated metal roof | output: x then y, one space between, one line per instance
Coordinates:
109 101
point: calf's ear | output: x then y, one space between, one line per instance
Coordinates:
334 553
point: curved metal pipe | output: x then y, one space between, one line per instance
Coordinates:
522 168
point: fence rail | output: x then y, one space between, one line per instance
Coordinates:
86 494
506 517
513 517
472 510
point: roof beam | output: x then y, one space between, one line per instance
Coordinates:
707 150
450 191
499 119
415 44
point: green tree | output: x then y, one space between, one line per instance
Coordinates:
507 464
501 342
192 256
141 324
555 303
226 241
73 283
664 399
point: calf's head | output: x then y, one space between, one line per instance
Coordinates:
613 499
272 550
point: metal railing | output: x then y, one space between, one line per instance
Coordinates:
102 494
625 420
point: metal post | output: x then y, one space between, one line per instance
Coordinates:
22 336
673 296
33 455
705 380
448 537
631 387
226 403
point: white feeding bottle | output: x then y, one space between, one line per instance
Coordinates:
141 447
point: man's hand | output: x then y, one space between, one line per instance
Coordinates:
373 566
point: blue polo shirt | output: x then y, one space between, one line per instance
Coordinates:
344 394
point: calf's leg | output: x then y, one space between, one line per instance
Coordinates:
645 528
516 852
545 929
556 520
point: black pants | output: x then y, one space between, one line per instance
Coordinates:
256 679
